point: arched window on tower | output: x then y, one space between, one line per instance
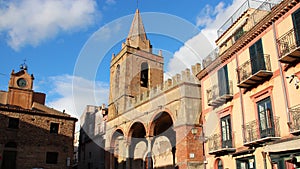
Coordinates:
117 80
144 74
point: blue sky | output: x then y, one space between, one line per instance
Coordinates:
52 37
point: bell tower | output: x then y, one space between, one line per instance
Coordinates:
20 90
20 86
134 70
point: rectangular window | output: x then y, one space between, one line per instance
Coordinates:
13 123
257 57
223 81
245 163
265 115
296 22
240 32
54 128
226 132
51 157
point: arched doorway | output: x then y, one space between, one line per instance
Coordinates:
219 164
164 141
138 146
118 156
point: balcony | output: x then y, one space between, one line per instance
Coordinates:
213 55
295 114
217 147
254 72
289 48
216 98
254 135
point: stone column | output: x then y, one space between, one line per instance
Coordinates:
128 161
149 139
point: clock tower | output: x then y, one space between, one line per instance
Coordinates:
20 89
134 70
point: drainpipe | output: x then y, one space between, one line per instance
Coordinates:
241 102
282 79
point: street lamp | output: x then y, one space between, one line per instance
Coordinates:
202 138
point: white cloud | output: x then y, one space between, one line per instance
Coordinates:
110 2
33 21
191 53
210 19
74 93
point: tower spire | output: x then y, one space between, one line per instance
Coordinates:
137 36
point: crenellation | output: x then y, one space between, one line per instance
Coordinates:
196 68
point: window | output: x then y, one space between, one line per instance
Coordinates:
265 115
51 157
257 57
54 128
144 74
223 82
296 22
226 132
13 123
240 32
117 80
245 163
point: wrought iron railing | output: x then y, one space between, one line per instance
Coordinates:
213 55
256 16
213 93
287 43
215 143
253 131
262 9
295 114
247 69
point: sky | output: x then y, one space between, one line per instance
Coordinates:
68 44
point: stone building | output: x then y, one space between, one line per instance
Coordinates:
32 135
250 87
150 120
91 153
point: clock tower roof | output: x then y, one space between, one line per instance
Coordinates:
137 36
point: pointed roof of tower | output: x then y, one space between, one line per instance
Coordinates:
137 36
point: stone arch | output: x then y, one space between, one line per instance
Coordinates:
118 156
163 144
138 145
158 117
136 125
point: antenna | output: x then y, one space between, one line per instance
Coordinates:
137 4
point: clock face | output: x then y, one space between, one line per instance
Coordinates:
21 82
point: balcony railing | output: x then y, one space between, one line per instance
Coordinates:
216 146
262 9
256 15
254 72
215 98
213 55
289 47
295 114
255 135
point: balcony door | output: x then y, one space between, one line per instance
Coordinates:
265 115
296 22
226 132
257 57
223 82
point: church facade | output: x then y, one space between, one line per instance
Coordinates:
150 120
32 135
